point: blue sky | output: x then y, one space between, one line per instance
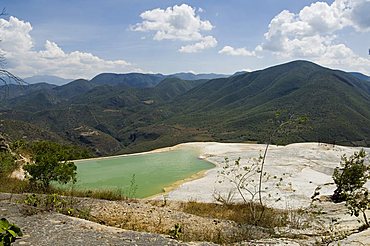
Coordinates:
78 38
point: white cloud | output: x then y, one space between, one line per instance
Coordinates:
360 15
23 60
313 33
15 35
228 50
177 23
52 51
207 42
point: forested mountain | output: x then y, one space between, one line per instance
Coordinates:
136 80
361 76
337 103
135 112
47 79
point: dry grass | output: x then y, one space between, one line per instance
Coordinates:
110 195
12 185
147 217
240 213
222 224
218 223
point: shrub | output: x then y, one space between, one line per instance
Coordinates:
350 178
48 168
8 232
7 163
51 163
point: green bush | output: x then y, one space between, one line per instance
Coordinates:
51 164
8 232
62 152
350 178
7 163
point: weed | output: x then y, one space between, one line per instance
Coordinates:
57 203
133 187
176 232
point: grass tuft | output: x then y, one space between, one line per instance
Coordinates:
238 212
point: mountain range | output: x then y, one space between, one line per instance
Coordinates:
124 113
47 79
130 79
361 76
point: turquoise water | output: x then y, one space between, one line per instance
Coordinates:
153 171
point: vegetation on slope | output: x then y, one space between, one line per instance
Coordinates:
121 118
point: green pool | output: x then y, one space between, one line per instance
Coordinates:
153 171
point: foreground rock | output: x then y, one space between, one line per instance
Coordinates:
48 228
324 223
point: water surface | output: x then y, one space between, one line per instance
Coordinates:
153 171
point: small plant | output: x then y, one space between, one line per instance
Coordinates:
57 203
32 200
133 187
358 202
224 199
331 233
352 174
248 179
350 178
245 181
8 232
176 232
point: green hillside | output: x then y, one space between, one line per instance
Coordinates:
238 108
118 118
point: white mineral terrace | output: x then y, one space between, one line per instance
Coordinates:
302 166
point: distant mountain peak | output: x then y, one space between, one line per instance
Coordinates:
136 80
360 76
50 79
193 76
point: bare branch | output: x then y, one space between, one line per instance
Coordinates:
3 12
7 78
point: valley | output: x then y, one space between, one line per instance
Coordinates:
111 116
243 123
192 140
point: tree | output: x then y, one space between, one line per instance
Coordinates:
50 163
350 178
248 179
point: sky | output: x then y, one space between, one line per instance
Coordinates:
82 38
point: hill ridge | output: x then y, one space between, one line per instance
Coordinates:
234 109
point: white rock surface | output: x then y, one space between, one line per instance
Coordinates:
303 167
